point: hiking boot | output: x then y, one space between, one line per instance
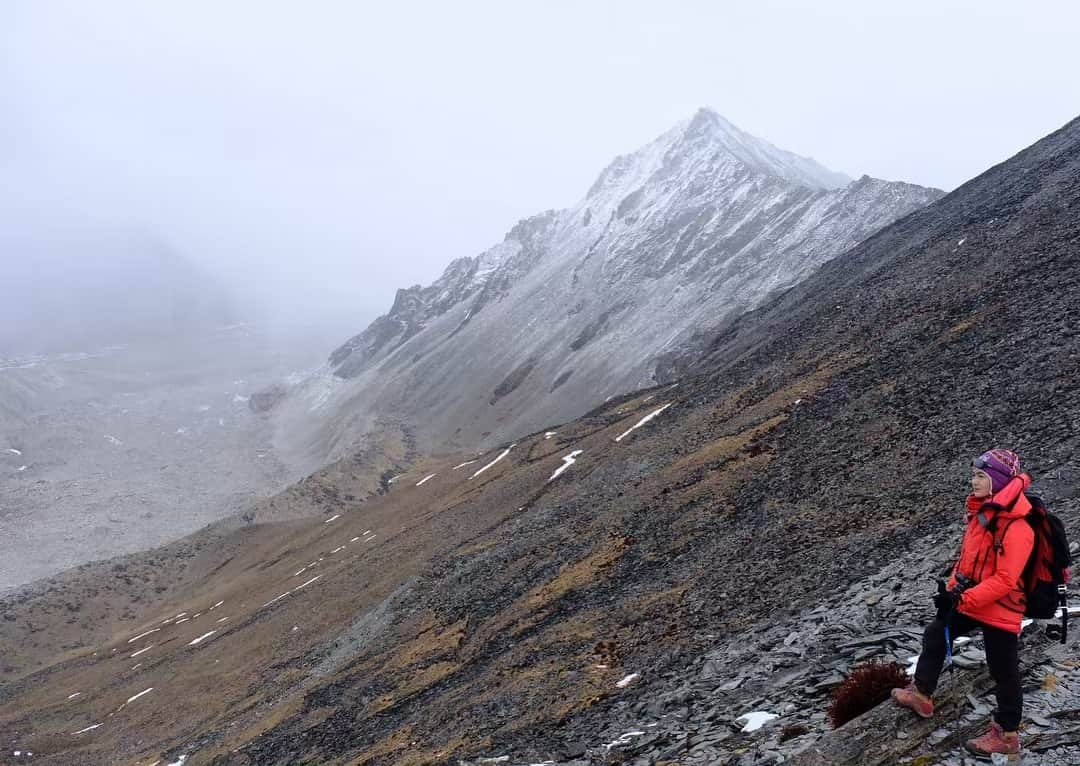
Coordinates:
995 741
912 698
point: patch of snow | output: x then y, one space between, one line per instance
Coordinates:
549 434
73 696
221 421
962 241
335 517
299 571
141 651
145 691
22 468
88 728
136 666
426 479
624 739
185 619
223 619
370 538
502 454
642 422
353 540
201 638
215 606
142 635
13 451
204 408
237 399
337 549
756 719
462 465
623 683
182 430
112 440
568 460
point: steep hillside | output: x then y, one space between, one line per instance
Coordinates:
726 544
580 304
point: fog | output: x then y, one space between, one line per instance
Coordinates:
312 157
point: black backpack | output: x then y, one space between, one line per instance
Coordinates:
1048 570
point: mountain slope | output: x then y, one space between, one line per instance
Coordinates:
483 606
580 304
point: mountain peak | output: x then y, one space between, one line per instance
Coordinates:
708 125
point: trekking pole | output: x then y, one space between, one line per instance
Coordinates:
951 667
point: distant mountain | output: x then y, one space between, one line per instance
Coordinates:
79 289
577 305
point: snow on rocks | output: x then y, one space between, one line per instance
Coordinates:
462 465
88 728
215 606
141 651
756 719
624 739
200 639
335 517
568 460
642 422
143 635
73 696
426 479
626 681
140 694
293 590
502 454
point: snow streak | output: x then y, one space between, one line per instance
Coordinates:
642 422
568 460
503 454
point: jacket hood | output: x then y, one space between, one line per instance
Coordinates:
1008 503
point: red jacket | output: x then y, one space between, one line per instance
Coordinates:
994 556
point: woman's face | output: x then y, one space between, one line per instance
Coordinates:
980 483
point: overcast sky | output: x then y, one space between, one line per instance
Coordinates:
321 154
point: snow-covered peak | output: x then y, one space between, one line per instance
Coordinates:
760 154
711 138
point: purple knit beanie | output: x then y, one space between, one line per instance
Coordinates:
1000 465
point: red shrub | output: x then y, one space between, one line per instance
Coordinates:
867 687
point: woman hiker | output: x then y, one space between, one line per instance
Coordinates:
984 593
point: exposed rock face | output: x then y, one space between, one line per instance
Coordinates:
268 398
701 224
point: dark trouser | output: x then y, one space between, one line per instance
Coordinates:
1001 657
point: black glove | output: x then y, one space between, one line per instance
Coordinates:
945 600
